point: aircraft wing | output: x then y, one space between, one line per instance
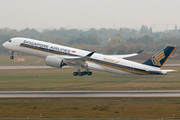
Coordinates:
127 55
78 62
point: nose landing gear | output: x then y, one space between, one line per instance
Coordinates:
12 55
82 73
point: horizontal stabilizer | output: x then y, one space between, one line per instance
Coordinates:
162 72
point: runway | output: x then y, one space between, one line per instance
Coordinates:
44 66
27 67
51 94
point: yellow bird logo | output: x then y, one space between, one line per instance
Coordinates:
156 60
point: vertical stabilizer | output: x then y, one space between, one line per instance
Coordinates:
161 57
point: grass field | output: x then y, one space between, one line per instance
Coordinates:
91 107
62 79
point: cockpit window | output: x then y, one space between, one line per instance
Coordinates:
10 40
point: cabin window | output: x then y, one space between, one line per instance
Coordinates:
10 40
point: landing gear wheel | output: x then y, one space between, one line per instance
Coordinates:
89 73
75 73
80 73
11 57
84 72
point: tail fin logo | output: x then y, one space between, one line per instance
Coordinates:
156 59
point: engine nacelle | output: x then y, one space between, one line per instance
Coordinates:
54 61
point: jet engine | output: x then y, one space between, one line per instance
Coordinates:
54 61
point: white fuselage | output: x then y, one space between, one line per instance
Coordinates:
97 61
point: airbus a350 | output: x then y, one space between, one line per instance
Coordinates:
59 56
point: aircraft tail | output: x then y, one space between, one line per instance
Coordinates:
161 57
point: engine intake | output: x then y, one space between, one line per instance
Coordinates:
54 61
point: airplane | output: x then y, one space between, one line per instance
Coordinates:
59 56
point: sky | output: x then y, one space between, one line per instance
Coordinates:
82 14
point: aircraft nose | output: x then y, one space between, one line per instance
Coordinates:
4 44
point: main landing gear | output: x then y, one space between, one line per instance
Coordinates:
12 55
82 73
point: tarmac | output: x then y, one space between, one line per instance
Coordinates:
51 94
27 67
44 66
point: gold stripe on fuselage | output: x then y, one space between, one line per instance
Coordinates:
122 68
125 69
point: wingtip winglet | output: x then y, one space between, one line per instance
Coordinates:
90 54
140 51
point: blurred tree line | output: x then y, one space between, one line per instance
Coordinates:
107 41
